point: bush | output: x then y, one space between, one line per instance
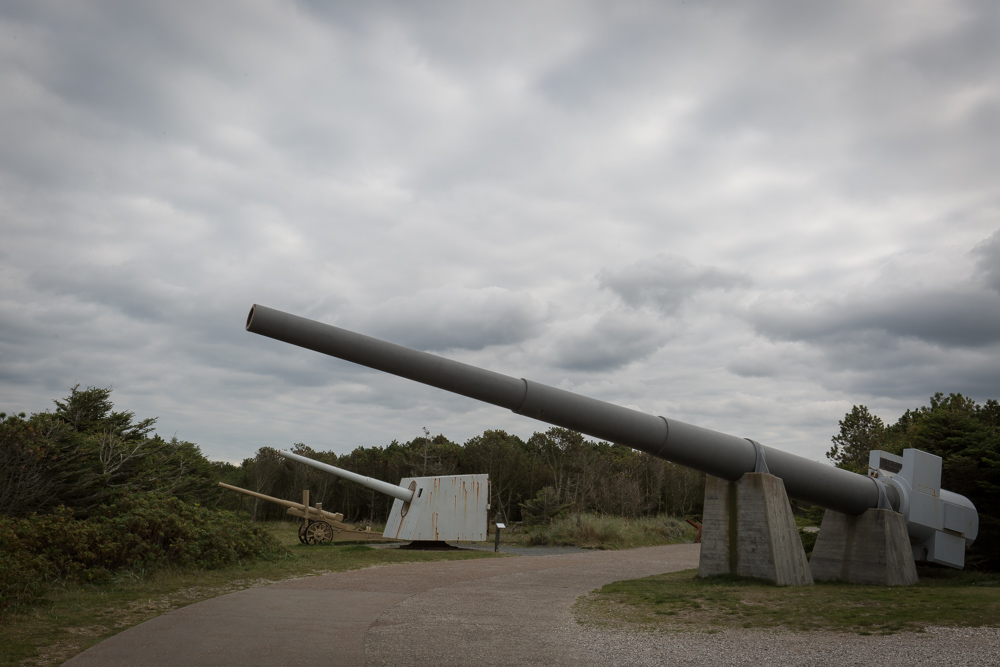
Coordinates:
544 508
611 532
808 541
22 574
142 533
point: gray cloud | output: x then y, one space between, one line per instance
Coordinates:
616 340
456 318
941 298
953 318
923 324
133 289
971 375
665 282
987 256
451 176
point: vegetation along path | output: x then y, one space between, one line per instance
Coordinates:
503 611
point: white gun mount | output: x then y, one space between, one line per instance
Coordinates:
447 508
940 523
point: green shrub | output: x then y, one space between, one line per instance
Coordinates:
141 534
22 573
610 532
808 540
544 508
154 530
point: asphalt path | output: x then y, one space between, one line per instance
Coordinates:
504 611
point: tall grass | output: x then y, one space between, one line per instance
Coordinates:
598 531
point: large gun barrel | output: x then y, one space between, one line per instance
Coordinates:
404 494
718 454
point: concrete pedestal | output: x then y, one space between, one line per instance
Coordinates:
748 529
873 548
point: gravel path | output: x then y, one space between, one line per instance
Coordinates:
527 551
937 646
517 616
509 611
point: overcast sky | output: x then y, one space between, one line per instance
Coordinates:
746 216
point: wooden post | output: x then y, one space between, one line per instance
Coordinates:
305 505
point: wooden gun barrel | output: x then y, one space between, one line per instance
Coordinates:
296 509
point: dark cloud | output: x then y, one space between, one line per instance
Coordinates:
963 49
455 318
987 256
616 340
618 57
905 369
949 318
869 366
971 375
882 341
665 282
450 176
926 323
131 289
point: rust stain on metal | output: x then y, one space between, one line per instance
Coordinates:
402 518
441 510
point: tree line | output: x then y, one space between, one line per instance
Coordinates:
85 454
535 479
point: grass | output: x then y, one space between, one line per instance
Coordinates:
596 531
679 601
74 617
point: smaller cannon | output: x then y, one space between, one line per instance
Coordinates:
451 508
317 526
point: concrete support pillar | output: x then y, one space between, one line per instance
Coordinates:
748 529
873 548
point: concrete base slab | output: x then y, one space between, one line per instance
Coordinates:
873 548
748 529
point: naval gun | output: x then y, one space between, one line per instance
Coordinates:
940 524
448 508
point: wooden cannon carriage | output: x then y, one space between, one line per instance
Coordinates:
318 526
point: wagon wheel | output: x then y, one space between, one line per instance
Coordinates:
319 532
302 532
